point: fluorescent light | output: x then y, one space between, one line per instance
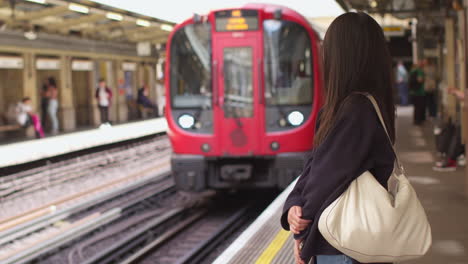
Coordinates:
167 27
78 8
37 1
114 16
143 23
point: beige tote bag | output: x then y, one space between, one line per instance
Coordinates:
371 224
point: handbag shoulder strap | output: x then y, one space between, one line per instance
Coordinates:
379 114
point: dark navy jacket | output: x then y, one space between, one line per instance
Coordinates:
356 143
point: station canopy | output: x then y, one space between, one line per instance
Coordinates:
81 18
397 8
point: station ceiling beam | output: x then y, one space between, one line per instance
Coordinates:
149 37
68 23
45 12
107 26
130 33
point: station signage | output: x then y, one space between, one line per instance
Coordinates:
394 31
8 62
47 64
236 20
82 65
129 66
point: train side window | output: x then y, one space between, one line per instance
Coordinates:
287 63
190 70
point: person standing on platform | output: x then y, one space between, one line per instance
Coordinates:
104 98
402 83
416 84
430 85
349 138
53 104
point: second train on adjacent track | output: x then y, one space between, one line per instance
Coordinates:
243 89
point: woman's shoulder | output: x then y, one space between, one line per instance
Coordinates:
358 107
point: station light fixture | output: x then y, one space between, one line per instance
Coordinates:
42 2
143 23
78 8
167 27
114 16
295 118
373 4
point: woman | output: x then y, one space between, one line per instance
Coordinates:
349 138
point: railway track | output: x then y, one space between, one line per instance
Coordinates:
40 187
178 235
25 243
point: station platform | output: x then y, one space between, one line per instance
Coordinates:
441 194
32 150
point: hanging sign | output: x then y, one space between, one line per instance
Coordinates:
47 64
129 66
82 65
11 62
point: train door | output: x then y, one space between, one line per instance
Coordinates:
237 113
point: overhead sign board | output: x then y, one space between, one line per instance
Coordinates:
129 66
10 62
82 65
393 31
47 64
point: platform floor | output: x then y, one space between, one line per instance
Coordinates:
32 150
441 193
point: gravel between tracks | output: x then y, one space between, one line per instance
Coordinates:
107 168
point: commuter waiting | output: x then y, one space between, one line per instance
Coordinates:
104 98
418 95
26 117
145 105
349 138
52 106
449 142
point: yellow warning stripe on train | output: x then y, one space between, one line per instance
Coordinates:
275 246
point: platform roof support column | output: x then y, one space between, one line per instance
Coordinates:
30 88
450 101
414 43
123 106
66 102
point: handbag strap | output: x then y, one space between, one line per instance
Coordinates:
379 114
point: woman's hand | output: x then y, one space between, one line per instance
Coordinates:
297 251
296 223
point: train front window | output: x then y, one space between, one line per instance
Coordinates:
287 63
238 87
190 67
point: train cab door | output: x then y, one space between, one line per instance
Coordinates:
236 105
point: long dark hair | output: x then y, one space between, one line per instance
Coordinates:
355 59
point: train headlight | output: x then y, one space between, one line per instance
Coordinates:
186 121
295 118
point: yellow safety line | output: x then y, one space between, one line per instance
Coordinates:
270 252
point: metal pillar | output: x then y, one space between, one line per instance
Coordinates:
450 101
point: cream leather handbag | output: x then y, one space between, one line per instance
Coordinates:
371 224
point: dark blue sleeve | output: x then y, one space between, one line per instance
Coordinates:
341 156
294 198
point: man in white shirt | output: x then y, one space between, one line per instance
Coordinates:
104 98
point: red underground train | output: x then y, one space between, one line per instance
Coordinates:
243 91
